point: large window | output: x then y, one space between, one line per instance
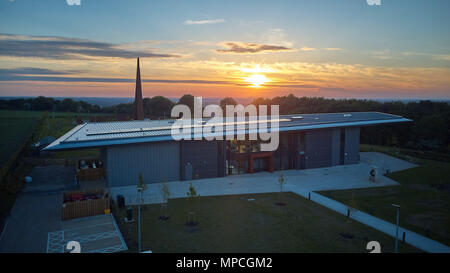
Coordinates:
281 156
238 154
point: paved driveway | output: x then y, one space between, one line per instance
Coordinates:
332 178
35 224
37 210
31 218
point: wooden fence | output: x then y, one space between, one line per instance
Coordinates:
90 174
85 208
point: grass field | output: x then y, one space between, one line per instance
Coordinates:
234 224
424 197
15 131
16 128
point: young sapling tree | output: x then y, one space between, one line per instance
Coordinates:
165 192
281 182
192 198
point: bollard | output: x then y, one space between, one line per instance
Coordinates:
309 196
120 201
403 239
348 213
129 214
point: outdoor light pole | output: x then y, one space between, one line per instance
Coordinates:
396 232
139 218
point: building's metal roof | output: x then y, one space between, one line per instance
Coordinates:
140 131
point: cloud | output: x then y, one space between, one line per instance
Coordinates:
239 47
55 47
291 85
381 54
203 22
43 74
277 36
305 48
442 57
438 57
333 49
24 73
34 71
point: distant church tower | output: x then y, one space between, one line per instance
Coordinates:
138 103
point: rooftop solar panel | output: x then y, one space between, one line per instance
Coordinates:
91 134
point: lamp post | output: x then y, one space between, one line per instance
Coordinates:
140 190
141 186
396 231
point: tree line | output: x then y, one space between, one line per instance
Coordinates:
429 129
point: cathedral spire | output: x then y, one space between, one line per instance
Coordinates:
138 103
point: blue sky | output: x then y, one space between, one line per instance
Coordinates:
321 44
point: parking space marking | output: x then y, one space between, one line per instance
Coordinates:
90 235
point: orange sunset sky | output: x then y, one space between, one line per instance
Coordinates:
400 49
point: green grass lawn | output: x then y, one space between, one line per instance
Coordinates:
424 197
15 131
20 114
16 127
234 224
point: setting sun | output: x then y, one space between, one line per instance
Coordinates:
256 80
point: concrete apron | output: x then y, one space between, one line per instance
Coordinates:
332 178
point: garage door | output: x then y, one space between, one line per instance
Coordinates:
351 155
199 159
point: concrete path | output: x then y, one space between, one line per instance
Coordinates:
411 238
385 162
332 178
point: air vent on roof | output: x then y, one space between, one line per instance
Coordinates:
347 115
316 118
297 117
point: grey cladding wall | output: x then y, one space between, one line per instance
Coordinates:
157 162
318 149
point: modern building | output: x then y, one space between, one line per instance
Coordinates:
147 146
